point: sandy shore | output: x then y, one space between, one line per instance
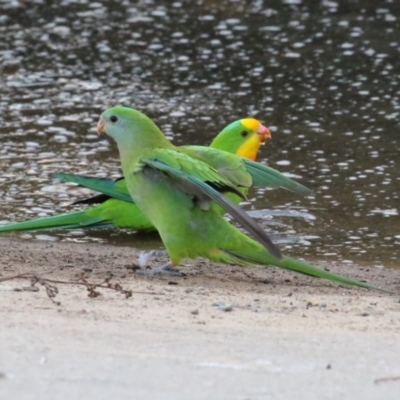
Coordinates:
220 332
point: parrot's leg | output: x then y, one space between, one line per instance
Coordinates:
145 255
165 269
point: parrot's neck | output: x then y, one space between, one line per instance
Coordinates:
132 147
222 143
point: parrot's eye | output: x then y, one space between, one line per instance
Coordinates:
244 133
113 119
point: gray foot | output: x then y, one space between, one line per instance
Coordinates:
145 255
165 269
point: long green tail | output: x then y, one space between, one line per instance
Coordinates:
262 257
71 220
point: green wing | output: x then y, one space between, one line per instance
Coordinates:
203 182
238 171
229 165
265 176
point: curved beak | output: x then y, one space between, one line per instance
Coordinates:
263 133
100 126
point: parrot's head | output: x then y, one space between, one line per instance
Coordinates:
243 137
125 124
116 121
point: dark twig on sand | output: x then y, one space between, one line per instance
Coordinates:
92 288
387 379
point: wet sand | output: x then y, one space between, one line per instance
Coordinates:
220 332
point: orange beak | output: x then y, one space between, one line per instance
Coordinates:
263 133
100 126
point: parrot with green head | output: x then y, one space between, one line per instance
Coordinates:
178 190
115 208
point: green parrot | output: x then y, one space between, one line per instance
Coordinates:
115 208
177 189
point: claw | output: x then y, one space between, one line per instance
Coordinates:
165 269
145 255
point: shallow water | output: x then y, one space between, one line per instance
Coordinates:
325 76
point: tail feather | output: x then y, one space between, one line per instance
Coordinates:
72 220
116 189
291 264
97 199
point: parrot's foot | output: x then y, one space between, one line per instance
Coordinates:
145 255
165 269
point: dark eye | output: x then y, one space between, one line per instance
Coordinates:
244 133
113 119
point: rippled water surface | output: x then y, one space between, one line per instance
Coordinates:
324 75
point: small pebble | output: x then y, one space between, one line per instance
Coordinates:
223 307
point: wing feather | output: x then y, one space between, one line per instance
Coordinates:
203 181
